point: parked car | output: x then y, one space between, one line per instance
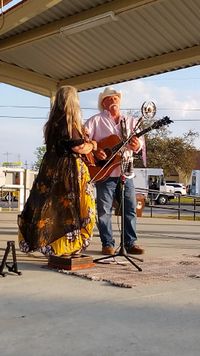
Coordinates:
178 187
6 196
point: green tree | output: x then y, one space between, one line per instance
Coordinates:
170 153
39 152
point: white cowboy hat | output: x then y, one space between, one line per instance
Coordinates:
107 92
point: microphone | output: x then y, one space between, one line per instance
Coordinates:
148 109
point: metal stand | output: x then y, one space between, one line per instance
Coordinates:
13 268
122 250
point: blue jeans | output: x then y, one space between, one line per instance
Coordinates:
106 192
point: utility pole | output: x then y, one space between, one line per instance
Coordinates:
7 154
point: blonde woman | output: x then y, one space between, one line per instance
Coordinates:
59 215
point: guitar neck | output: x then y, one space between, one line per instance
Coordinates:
143 132
120 144
156 125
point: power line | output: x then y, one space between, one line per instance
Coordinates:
186 120
22 117
88 108
25 106
179 109
45 118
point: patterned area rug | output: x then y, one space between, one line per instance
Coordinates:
120 272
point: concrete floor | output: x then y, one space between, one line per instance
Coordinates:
43 312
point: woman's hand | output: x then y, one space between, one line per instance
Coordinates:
94 143
85 148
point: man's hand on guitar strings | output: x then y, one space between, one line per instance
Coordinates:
134 144
100 154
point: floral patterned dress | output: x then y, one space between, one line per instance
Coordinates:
59 215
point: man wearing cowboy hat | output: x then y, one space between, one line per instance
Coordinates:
109 122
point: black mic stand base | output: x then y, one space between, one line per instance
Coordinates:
122 252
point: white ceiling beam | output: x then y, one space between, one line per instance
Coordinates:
43 85
117 6
167 62
27 80
37 83
25 11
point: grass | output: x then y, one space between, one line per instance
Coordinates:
173 217
186 200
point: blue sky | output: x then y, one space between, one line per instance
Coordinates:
23 114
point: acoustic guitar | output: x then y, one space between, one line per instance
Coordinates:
101 169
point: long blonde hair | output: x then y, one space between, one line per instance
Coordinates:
64 116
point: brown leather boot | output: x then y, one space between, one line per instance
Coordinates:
135 250
108 250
